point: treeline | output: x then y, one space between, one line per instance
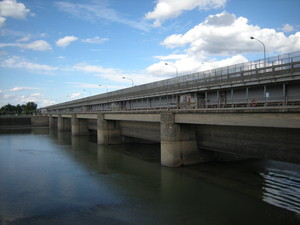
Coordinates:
28 108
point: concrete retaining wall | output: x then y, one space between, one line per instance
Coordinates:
36 121
15 120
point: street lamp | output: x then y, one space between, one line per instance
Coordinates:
101 85
88 91
167 64
128 79
253 38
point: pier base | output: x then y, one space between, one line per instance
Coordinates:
178 142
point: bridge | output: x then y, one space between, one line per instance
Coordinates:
249 109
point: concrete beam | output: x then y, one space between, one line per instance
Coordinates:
87 116
279 120
145 117
66 115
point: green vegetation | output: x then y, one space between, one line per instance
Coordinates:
28 108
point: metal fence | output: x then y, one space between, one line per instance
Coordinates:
258 71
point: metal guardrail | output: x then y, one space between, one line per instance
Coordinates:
238 74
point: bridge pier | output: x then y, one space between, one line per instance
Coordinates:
63 123
78 126
51 122
178 142
60 123
108 131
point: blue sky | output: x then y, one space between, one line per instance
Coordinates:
55 51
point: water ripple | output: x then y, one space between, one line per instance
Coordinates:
282 189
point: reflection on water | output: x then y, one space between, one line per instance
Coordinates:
282 187
49 177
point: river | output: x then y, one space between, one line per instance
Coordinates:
51 178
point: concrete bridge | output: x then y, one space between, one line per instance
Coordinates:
250 109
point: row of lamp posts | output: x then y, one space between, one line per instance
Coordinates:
167 64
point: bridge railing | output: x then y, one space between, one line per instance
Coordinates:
254 71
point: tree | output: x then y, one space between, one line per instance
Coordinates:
28 108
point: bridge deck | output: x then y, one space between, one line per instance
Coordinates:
281 70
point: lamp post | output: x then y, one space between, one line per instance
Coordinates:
88 91
167 64
128 79
253 38
101 85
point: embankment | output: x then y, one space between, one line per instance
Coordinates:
35 121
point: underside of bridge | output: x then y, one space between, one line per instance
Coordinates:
189 138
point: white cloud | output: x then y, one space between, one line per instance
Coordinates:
15 89
99 11
15 99
287 28
220 40
167 9
39 45
16 62
95 40
225 34
64 42
11 8
114 74
24 39
96 69
2 21
75 95
188 64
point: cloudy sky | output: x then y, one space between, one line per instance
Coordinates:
55 51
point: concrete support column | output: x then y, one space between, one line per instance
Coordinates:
102 130
51 122
170 141
60 123
75 129
178 142
108 132
79 126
